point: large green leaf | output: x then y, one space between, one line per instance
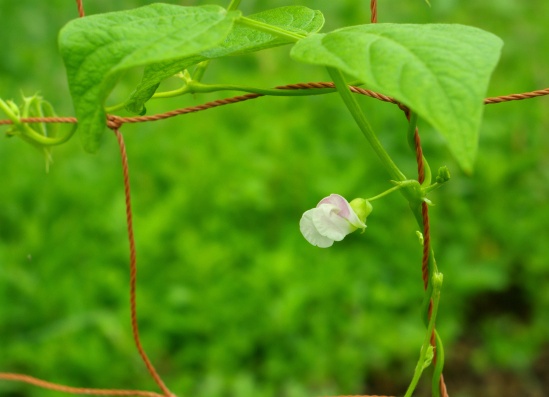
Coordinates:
96 49
439 71
242 39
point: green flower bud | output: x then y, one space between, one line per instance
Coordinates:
362 208
443 175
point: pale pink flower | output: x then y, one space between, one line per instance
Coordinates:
333 219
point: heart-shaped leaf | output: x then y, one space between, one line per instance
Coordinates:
242 39
439 71
96 49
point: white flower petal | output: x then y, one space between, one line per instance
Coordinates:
338 201
310 232
345 209
329 224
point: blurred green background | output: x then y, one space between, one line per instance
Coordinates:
232 300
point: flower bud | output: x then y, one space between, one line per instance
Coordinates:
362 208
443 174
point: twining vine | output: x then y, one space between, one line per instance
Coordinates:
429 271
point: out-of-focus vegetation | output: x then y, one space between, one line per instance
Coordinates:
232 300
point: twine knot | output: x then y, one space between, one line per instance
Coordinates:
114 122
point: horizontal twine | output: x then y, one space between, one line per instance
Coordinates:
75 390
114 121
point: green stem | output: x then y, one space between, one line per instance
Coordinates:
399 185
363 124
432 187
438 366
427 353
200 70
265 27
412 124
170 94
195 87
114 108
44 140
10 111
233 5
431 295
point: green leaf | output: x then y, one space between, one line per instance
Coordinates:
242 39
96 49
439 71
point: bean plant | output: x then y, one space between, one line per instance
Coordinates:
437 74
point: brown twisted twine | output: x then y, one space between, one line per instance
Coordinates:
133 306
80 6
516 97
133 267
75 390
42 120
192 109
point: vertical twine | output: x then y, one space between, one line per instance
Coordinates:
80 6
373 11
133 267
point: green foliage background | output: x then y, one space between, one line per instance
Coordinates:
232 299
